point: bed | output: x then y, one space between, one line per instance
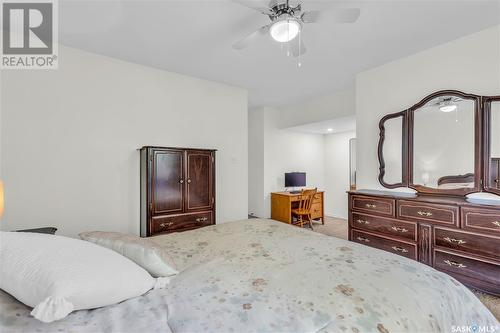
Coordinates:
264 276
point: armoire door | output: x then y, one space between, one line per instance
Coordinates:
199 179
167 183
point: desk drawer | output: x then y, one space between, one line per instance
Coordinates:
318 198
481 219
373 205
384 225
316 210
434 213
403 249
468 242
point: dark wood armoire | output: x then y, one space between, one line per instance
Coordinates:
177 189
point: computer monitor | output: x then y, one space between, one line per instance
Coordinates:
295 179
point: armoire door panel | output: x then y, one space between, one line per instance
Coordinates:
168 181
199 180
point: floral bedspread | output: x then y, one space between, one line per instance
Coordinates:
265 276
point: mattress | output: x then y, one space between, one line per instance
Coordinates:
264 276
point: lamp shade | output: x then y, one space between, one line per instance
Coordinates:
1 199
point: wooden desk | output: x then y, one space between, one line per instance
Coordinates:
283 202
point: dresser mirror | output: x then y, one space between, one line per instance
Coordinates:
448 143
392 150
492 149
443 150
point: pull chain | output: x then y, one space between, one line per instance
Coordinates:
288 43
299 63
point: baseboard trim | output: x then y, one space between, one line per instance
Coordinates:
335 216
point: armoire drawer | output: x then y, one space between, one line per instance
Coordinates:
378 206
417 211
391 227
467 242
173 223
485 271
404 249
481 219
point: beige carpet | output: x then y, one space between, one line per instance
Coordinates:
338 228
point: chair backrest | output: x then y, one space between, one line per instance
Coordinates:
306 199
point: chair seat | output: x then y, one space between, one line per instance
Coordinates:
299 211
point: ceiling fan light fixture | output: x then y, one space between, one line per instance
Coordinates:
285 29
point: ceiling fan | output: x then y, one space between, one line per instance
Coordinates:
288 20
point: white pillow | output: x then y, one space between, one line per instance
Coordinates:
57 275
142 251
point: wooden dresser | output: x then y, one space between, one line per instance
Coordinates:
283 202
177 189
451 234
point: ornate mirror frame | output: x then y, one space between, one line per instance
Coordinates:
477 176
404 152
482 114
486 143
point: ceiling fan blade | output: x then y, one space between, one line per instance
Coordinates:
340 15
297 47
311 16
242 43
347 15
255 5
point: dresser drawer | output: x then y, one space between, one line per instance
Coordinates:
385 225
467 242
379 206
407 250
165 224
482 274
481 219
417 211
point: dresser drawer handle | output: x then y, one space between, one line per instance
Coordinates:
163 225
360 221
424 213
363 239
371 206
201 219
454 264
399 249
497 223
399 229
453 240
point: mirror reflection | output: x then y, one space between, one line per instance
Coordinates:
494 177
443 143
392 150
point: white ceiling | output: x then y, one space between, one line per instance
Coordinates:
195 38
337 125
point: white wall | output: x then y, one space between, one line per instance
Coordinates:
274 150
337 173
336 105
256 196
470 64
282 151
69 140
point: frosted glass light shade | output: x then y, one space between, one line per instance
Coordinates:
285 30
